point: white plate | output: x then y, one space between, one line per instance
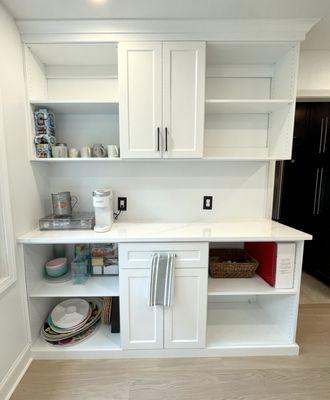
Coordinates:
70 313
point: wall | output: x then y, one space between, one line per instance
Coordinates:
25 184
170 190
314 71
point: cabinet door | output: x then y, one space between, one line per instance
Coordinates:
141 326
185 320
140 99
318 131
183 99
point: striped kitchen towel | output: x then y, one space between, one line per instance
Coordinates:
161 279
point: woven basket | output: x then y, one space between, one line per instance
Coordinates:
231 263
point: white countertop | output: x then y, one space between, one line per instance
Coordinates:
149 231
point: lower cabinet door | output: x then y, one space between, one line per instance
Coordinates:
141 326
185 320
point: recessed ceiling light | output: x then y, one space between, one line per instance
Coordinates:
98 1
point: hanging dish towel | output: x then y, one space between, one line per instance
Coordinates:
161 279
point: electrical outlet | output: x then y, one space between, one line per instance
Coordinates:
207 202
122 203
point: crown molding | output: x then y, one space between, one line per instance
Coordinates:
111 30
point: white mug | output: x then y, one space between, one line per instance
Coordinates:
73 153
86 152
113 151
60 150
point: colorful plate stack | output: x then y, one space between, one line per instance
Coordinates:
72 321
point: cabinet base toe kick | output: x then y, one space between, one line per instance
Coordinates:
240 351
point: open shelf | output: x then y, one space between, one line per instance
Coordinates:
241 286
237 324
77 106
222 106
102 340
75 160
95 286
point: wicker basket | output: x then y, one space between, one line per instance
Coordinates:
231 263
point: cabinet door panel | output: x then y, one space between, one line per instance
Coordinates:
185 320
141 325
140 98
183 98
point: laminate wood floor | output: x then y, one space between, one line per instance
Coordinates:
313 291
306 377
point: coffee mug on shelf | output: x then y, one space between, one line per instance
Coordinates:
113 151
60 150
73 153
99 151
86 152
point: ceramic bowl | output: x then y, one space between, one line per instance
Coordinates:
57 267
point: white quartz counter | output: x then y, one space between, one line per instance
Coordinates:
148 231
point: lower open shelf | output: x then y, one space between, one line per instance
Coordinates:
101 341
242 324
95 286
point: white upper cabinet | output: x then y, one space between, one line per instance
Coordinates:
183 99
140 99
161 97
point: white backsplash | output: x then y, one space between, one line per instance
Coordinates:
170 190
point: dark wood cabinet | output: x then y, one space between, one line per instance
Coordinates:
304 185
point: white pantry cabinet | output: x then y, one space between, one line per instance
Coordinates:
183 325
161 97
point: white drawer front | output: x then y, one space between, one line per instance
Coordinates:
188 255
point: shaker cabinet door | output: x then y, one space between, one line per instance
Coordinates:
183 99
185 320
140 99
141 326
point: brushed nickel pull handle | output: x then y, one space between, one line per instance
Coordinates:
320 192
316 190
325 134
321 136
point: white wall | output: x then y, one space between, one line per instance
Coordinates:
170 190
24 191
314 71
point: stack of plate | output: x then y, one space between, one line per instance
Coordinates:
72 321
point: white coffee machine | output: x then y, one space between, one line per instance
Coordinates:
103 206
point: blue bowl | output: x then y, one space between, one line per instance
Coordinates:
55 271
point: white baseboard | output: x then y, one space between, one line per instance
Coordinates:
15 373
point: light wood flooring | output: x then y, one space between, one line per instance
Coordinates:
306 377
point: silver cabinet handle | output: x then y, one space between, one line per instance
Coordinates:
316 190
325 135
320 191
321 136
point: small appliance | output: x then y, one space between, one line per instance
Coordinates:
103 205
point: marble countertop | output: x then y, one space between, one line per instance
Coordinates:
153 231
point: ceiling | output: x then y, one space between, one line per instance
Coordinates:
317 39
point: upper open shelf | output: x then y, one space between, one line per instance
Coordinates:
216 106
78 106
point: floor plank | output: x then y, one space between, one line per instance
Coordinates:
306 377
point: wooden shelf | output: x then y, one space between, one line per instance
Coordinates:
78 106
223 106
251 286
100 342
241 324
95 286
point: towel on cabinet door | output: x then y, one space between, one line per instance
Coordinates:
161 279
